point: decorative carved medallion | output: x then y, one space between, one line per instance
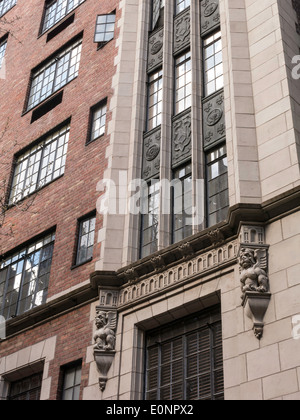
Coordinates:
155 55
210 9
151 154
214 117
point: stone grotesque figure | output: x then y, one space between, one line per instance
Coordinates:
253 272
105 336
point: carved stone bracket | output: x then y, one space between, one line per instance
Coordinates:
253 261
105 334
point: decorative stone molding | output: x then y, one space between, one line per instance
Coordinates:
182 31
182 138
155 50
253 261
214 129
189 267
151 153
105 334
210 16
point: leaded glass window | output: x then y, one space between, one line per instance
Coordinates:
56 10
213 64
6 5
24 277
86 239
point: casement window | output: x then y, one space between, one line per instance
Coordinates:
213 65
155 86
26 389
150 212
97 121
54 74
86 239
181 5
56 10
24 277
3 45
184 360
157 13
40 165
217 185
105 29
71 382
183 83
6 5
182 203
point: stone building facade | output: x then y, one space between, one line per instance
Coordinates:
191 191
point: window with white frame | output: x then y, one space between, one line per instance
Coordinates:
6 5
213 64
54 74
98 121
105 28
24 277
183 82
155 86
3 45
55 10
181 5
40 164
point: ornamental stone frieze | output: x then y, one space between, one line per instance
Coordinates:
210 16
255 287
182 31
214 129
182 138
151 154
155 50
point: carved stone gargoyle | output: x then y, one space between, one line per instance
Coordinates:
105 339
255 286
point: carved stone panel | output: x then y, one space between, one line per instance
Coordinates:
155 50
214 129
182 31
182 138
210 16
151 154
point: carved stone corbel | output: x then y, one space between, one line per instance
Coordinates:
105 334
253 261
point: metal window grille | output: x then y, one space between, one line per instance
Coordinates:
24 278
53 75
155 87
183 83
26 389
217 185
182 203
40 165
86 239
105 28
2 51
213 64
184 361
57 10
71 384
6 5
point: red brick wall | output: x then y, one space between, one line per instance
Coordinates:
74 195
73 331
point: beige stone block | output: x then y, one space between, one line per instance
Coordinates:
235 371
45 391
92 393
291 225
287 302
263 362
289 353
292 397
252 391
293 275
278 281
276 331
280 384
